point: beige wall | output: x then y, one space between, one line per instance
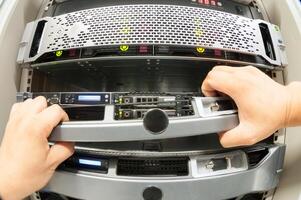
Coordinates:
288 17
14 15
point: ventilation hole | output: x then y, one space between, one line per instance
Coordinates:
153 166
159 24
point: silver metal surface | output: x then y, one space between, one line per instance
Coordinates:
203 166
150 24
177 58
133 130
209 107
204 121
187 146
246 2
90 186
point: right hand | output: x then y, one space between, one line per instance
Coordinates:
263 104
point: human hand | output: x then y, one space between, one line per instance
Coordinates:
263 104
26 161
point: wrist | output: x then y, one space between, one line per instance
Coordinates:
3 190
293 108
6 190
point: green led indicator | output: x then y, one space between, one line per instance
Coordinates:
59 53
124 48
200 50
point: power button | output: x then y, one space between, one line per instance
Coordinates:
152 193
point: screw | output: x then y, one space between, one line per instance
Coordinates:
214 107
210 165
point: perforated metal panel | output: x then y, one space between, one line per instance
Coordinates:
152 24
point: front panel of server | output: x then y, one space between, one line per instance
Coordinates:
150 88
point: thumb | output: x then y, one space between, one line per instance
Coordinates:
239 136
59 152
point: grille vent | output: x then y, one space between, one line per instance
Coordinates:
152 24
155 166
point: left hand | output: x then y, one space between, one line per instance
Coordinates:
26 161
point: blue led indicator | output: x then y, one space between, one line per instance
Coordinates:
90 162
89 98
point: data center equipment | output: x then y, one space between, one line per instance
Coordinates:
128 73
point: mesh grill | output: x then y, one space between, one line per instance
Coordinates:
152 24
156 166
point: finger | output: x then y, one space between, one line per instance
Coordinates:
219 81
239 136
51 117
59 152
15 109
206 87
251 69
33 106
224 68
27 103
21 108
38 104
207 90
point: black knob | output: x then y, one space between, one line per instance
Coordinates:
155 121
152 193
